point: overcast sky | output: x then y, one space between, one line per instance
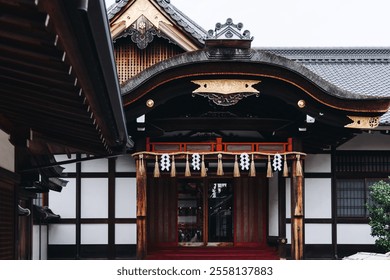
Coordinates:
298 23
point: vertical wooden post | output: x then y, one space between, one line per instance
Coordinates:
297 225
141 212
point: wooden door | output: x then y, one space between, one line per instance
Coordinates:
249 211
162 212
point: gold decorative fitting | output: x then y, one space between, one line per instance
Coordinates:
301 103
363 122
226 86
226 92
150 103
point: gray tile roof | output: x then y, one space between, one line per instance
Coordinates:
362 71
181 19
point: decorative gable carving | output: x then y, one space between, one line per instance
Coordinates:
142 32
144 19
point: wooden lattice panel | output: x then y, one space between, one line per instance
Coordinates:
131 60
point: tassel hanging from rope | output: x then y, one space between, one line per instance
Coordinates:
187 172
269 167
236 170
298 167
285 167
219 166
156 172
252 171
203 172
141 166
173 167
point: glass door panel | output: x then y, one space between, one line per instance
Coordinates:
220 212
190 213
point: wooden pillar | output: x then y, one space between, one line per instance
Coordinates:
297 224
282 240
141 210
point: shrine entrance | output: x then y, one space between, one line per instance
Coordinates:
198 212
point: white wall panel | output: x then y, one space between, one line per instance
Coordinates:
125 234
62 234
318 234
125 198
125 164
318 198
7 152
94 234
96 165
94 198
354 234
367 141
68 167
318 163
36 244
288 233
273 210
288 198
64 203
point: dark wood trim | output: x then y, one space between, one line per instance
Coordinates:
334 205
314 220
318 175
99 175
352 220
98 221
78 207
111 208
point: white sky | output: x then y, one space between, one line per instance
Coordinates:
298 23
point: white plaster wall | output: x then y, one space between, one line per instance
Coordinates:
64 203
62 234
42 244
68 167
318 163
318 198
354 234
318 234
125 164
288 198
95 165
288 233
367 141
273 211
94 198
94 234
7 152
125 234
125 198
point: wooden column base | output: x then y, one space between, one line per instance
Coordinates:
141 238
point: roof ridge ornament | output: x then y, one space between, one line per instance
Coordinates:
229 35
